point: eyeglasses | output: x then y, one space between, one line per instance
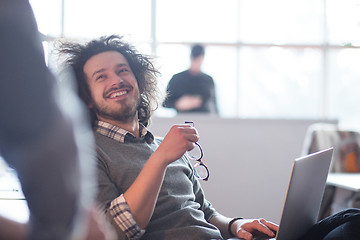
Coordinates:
200 170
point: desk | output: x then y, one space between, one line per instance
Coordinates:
348 181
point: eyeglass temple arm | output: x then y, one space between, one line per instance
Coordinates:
193 124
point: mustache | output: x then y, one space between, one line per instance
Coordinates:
120 86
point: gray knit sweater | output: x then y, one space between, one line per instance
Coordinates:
181 211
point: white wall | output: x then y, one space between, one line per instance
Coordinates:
249 160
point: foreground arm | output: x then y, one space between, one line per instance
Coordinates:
244 228
35 138
12 230
142 195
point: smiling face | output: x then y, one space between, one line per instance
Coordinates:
113 87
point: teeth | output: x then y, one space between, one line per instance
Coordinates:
117 94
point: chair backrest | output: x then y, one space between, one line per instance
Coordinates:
349 151
346 145
346 158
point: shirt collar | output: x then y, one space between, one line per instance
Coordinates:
122 135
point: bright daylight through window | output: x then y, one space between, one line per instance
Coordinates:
269 59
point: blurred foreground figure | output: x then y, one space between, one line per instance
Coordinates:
40 139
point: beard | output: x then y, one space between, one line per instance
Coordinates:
126 113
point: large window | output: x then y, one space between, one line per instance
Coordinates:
269 59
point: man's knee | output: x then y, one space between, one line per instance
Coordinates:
347 231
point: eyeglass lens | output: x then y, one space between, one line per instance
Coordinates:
201 171
196 153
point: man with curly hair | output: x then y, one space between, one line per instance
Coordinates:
146 184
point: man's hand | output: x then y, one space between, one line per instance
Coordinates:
188 102
248 229
180 138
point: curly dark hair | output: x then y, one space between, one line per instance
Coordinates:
141 65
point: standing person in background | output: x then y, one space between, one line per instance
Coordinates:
192 90
41 140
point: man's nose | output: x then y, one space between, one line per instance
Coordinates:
115 79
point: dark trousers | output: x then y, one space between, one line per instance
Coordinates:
344 225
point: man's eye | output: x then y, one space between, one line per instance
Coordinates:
123 70
100 77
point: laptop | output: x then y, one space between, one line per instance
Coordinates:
304 194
